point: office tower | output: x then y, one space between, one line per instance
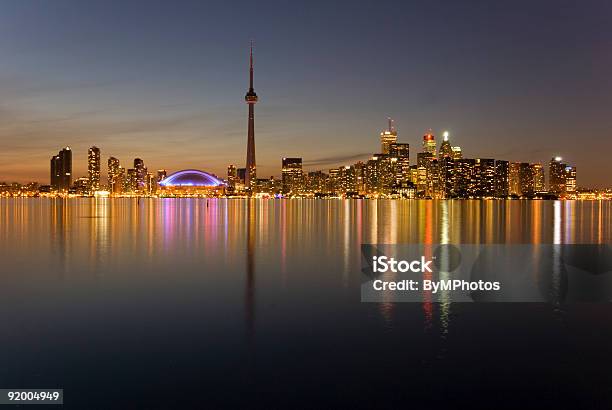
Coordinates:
447 167
537 170
251 99
121 181
316 182
388 137
151 183
292 176
359 168
526 185
434 184
485 177
502 179
141 174
81 186
371 176
113 176
423 159
513 179
429 144
570 179
232 179
161 174
457 154
93 168
333 181
131 182
446 151
61 170
401 153
556 176
464 178
241 175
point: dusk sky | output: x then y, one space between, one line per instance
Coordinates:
165 81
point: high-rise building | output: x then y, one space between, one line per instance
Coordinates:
141 175
388 137
556 177
502 179
570 179
114 172
251 99
539 185
232 179
401 153
485 177
446 151
292 178
131 182
457 154
465 178
61 170
93 169
429 144
526 179
514 183
161 175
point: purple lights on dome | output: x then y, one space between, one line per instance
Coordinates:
191 177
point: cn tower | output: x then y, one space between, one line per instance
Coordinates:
251 98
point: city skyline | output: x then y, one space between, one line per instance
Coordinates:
324 101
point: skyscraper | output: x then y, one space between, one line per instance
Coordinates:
538 178
61 170
251 99
388 137
114 176
556 178
292 178
429 144
141 174
446 151
502 178
93 168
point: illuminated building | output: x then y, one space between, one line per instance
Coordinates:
502 179
526 180
401 152
251 99
539 184
61 170
570 179
513 179
446 151
429 144
457 154
232 179
241 175
316 182
485 177
464 178
334 180
81 186
447 172
150 183
114 172
141 174
292 179
191 182
557 176
93 168
387 138
131 181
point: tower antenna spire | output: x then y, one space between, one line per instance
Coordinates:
251 67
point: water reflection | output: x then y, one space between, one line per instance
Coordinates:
308 244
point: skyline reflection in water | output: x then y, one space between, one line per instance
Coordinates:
223 282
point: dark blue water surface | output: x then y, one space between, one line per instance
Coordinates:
195 303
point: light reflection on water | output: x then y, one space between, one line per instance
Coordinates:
253 267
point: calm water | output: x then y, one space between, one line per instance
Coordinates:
184 303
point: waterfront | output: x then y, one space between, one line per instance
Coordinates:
214 302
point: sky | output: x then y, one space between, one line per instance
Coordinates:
165 81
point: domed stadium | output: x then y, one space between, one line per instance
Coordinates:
191 182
